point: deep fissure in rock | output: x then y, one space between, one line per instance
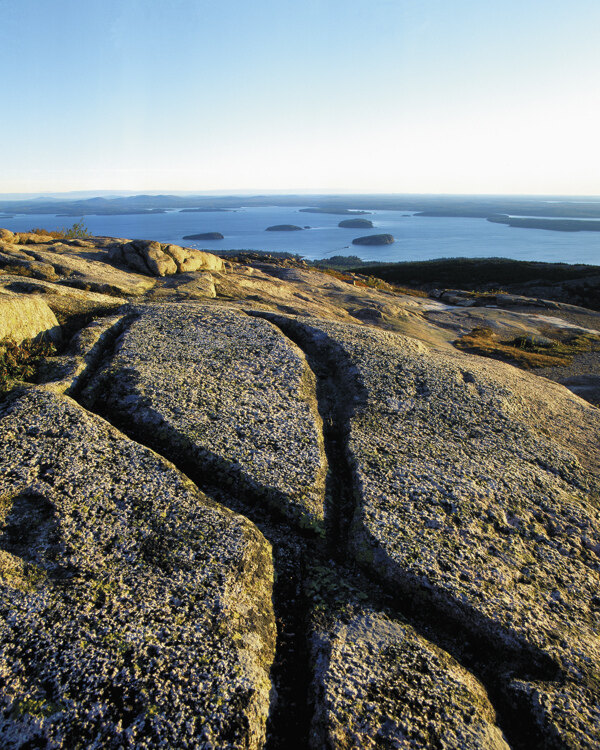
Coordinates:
494 665
290 716
334 395
101 352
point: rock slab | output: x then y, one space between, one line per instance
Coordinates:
226 393
133 611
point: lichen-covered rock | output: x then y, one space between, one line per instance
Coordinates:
188 259
133 611
228 395
379 684
477 494
26 317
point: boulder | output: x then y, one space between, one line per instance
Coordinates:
146 256
134 611
159 259
188 259
26 317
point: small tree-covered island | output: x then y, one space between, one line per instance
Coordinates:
374 239
204 236
284 228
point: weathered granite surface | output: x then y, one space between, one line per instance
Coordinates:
477 494
64 301
449 597
72 264
226 392
379 684
134 612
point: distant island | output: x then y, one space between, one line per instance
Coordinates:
356 224
337 211
481 207
374 239
283 228
557 225
115 211
204 210
205 236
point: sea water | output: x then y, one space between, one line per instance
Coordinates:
416 237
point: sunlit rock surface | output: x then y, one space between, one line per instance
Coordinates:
429 521
134 610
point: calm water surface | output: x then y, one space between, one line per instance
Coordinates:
417 237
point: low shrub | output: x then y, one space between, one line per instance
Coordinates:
527 351
20 361
76 232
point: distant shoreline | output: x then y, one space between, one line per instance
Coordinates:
555 225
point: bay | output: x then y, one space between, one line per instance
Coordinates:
417 237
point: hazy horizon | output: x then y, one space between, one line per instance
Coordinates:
378 97
258 192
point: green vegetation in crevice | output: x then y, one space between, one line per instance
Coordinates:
20 361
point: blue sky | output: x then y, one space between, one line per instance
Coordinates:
455 96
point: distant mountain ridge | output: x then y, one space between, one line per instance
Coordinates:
427 205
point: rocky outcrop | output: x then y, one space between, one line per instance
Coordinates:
65 301
159 259
74 265
420 524
473 502
140 612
